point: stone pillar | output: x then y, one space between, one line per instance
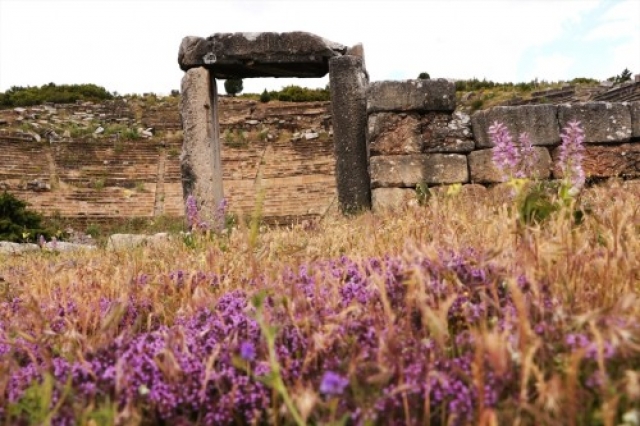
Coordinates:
348 83
200 162
358 50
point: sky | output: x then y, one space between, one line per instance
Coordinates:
131 46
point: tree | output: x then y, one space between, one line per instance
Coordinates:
265 96
424 76
233 86
17 223
625 76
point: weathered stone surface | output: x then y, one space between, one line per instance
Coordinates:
409 133
603 122
348 104
406 171
268 54
606 161
411 95
16 248
200 162
634 109
392 198
392 133
443 132
482 169
63 246
358 50
129 241
539 121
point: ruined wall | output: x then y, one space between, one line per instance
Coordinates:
100 178
415 137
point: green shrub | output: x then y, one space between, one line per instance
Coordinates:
301 94
477 104
424 76
233 86
584 80
94 230
65 93
19 224
265 96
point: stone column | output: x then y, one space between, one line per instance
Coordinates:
200 162
348 83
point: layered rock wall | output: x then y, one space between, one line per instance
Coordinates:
415 137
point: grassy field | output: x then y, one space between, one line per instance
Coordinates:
452 312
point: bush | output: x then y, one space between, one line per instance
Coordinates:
233 86
424 76
26 96
301 94
584 80
265 96
17 223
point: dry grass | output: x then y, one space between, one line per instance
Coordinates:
545 286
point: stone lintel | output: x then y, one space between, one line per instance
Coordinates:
268 54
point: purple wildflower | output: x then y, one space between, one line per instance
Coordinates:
221 212
505 154
528 154
41 241
192 212
571 154
247 351
332 383
194 222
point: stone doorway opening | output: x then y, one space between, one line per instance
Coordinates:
255 55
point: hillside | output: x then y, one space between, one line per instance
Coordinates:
119 159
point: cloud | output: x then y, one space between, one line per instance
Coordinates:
554 67
131 46
612 24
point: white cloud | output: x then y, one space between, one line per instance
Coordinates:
615 21
132 46
554 67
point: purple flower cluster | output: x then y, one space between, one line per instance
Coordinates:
571 155
333 384
511 160
196 223
505 154
519 162
343 326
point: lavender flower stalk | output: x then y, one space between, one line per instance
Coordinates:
571 155
505 154
528 155
221 213
193 217
194 222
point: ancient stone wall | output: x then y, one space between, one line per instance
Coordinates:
103 178
415 137
285 151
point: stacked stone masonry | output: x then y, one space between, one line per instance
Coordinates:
415 137
100 179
